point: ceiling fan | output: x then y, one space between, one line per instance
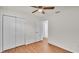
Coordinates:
42 9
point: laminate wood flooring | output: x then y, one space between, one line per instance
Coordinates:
38 47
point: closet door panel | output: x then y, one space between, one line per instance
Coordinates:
19 32
8 32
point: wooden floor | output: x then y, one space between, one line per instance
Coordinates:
37 47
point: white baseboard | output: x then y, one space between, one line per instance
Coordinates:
32 42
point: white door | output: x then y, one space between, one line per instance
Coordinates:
45 29
8 32
20 40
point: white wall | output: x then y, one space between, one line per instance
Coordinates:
64 28
0 31
32 24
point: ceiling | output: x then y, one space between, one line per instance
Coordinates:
28 10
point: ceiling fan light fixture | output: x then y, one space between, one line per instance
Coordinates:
40 10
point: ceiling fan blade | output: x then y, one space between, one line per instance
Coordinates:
49 8
37 6
43 12
57 12
34 11
44 7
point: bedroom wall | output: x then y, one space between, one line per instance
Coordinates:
63 28
33 32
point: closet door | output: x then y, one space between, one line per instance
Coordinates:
20 32
8 32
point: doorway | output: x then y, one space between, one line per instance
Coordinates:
45 28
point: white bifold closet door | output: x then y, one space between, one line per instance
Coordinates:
20 32
13 32
8 32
